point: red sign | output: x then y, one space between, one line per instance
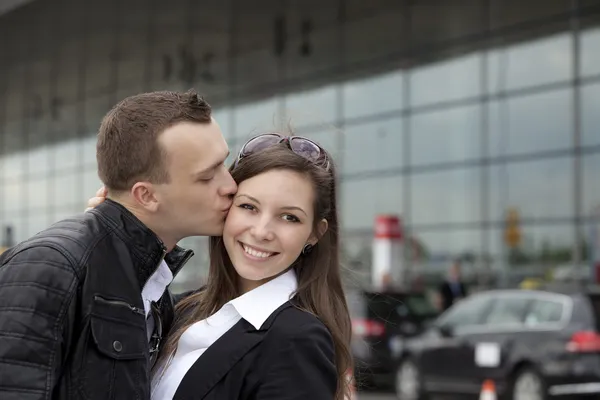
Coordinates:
388 227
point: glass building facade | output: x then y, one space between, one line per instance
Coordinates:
449 113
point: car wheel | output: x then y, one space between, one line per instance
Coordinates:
407 382
528 385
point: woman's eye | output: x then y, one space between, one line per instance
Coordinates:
247 206
291 218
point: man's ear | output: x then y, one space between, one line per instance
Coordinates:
145 196
320 231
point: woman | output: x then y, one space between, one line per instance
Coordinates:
272 321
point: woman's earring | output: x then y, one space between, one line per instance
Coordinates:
307 248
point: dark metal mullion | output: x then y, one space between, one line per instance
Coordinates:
150 39
3 130
81 121
406 142
115 54
27 85
576 108
485 138
53 77
231 69
340 104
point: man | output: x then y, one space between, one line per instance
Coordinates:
84 304
453 289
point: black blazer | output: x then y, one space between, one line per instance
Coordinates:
290 358
448 296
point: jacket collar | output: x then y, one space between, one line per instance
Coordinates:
146 248
222 356
258 304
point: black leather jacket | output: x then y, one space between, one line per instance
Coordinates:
72 321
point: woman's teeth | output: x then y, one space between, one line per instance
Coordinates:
256 253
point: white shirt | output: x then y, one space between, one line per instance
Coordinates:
255 307
153 290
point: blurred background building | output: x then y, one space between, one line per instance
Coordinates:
477 122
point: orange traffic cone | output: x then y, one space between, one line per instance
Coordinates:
488 390
351 386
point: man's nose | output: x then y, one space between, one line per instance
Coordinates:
230 187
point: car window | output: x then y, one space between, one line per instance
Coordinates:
467 312
507 311
544 312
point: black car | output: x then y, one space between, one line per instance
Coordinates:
381 320
534 345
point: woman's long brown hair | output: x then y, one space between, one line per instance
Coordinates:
320 290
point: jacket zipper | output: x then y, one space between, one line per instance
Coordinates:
120 303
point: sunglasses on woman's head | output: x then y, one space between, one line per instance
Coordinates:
300 145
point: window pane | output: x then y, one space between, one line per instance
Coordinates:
590 56
362 200
373 95
329 140
65 191
14 167
541 249
538 189
590 117
37 193
66 154
438 248
36 222
95 109
223 117
444 136
14 139
17 224
448 80
39 160
195 272
88 148
446 196
91 184
12 194
374 146
312 106
591 184
256 118
64 213
535 123
518 66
